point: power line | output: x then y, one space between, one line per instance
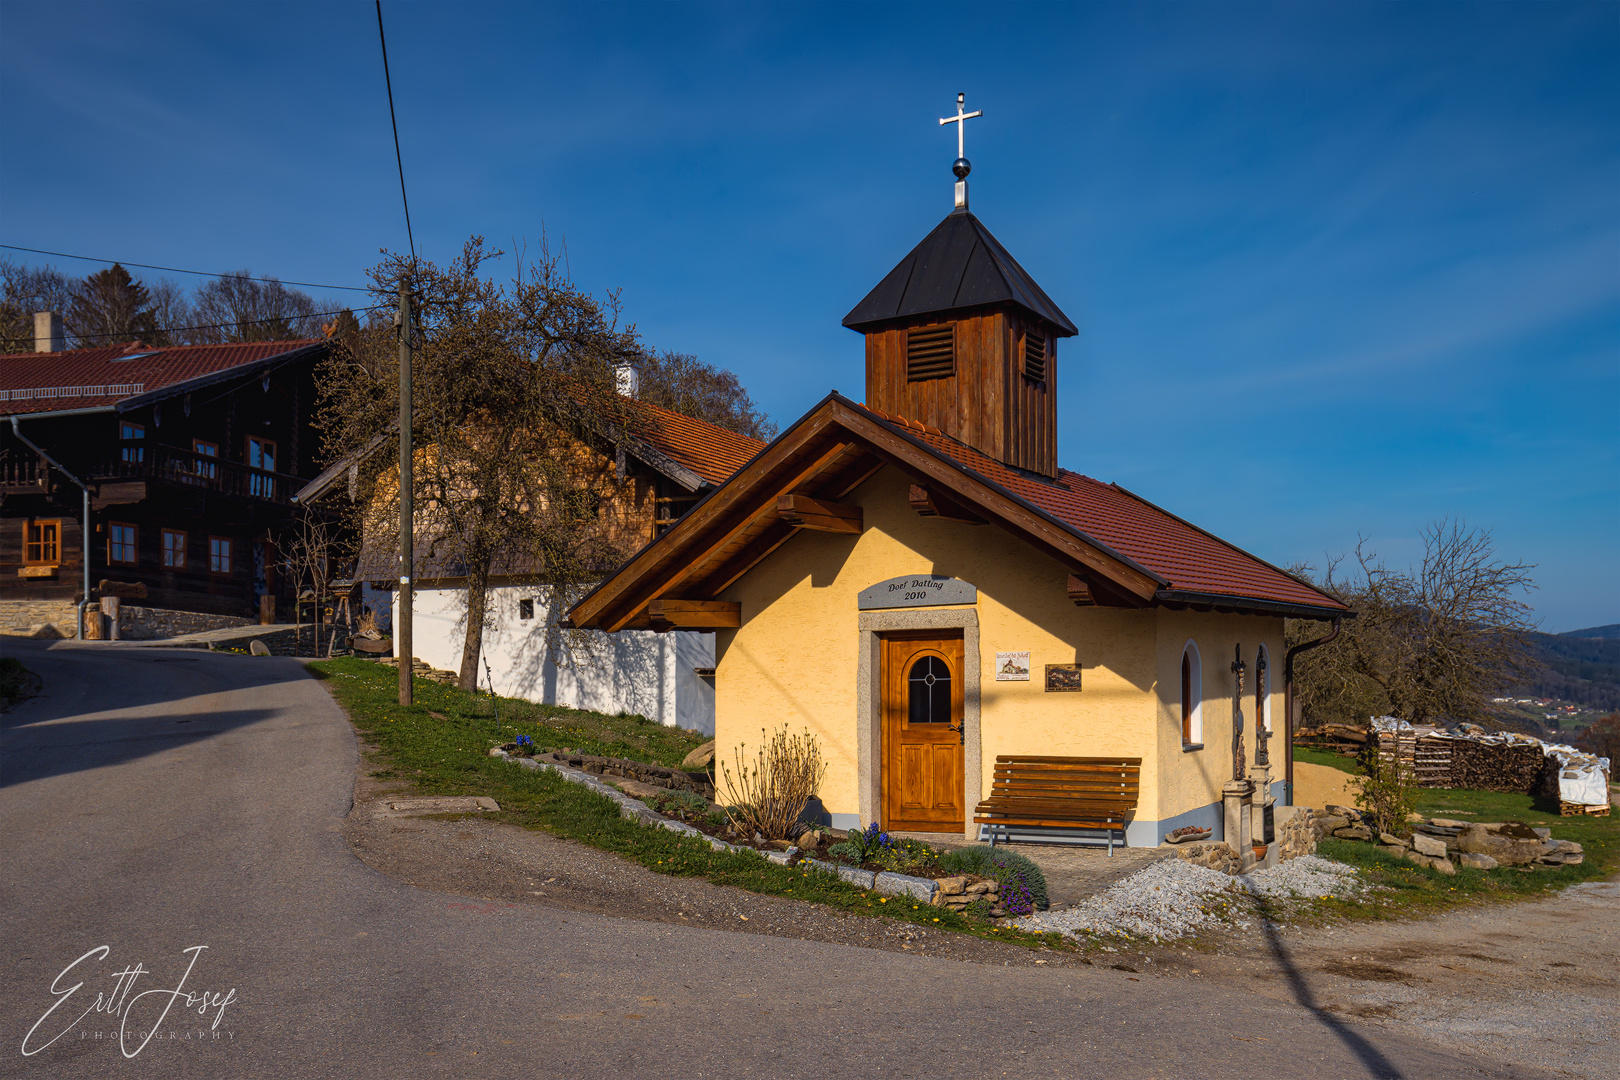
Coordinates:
227 325
178 270
398 160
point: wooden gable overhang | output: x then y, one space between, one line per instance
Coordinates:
796 483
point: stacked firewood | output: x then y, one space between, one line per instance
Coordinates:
1487 767
1341 738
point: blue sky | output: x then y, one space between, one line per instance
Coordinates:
1338 269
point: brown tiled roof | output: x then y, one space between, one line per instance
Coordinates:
84 378
712 452
1189 558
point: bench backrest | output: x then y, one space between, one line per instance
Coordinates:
1099 781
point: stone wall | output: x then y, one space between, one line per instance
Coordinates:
37 618
1214 854
155 624
1295 835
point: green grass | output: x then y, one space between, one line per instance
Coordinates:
1342 762
450 756
1414 889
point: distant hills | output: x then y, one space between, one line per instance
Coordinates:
1582 666
1610 631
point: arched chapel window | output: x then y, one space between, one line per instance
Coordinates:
1192 693
930 689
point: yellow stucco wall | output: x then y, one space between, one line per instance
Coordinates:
796 656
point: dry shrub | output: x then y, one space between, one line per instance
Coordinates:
767 796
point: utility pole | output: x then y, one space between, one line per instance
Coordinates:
407 531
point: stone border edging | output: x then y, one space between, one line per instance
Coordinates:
633 809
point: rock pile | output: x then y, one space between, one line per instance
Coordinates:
1211 855
1441 843
1296 835
958 892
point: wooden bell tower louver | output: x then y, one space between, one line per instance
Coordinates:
959 337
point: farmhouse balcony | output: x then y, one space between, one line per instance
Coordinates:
204 472
22 474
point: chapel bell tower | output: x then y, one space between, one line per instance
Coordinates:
959 337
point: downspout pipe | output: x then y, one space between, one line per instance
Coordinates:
1288 704
84 535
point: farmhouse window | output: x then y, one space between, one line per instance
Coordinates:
261 454
219 555
205 469
174 549
129 438
42 543
121 544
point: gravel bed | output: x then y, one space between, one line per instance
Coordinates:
1173 898
1308 876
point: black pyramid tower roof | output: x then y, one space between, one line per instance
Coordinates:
958 265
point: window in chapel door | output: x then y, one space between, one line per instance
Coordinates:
929 686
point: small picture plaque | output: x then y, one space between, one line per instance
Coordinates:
1012 667
1063 677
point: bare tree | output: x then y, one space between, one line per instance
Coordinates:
309 549
239 307
23 291
1433 641
171 314
511 383
684 384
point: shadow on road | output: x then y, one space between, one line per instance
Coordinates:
45 736
1376 1064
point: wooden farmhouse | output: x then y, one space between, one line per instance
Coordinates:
917 582
185 461
635 488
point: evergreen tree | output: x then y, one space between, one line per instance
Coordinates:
109 308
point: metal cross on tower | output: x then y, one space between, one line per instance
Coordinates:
961 167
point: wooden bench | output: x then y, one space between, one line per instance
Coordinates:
1051 798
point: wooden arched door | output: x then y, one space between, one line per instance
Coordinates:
922 733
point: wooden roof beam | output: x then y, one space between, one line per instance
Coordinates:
929 503
728 498
1088 591
818 515
678 614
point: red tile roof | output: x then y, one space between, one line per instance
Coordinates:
1189 558
85 378
712 452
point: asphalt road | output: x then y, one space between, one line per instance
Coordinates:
155 800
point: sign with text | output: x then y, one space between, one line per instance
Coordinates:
1012 667
917 590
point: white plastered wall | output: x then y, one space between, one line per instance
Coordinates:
633 671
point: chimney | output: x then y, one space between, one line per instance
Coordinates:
627 380
47 332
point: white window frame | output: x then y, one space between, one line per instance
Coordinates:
1193 733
